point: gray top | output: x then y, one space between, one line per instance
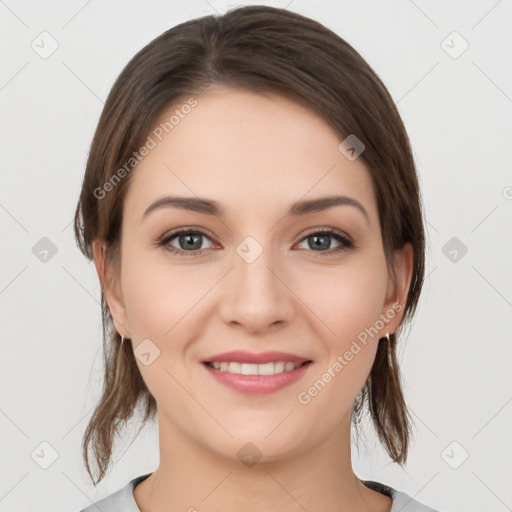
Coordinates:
123 500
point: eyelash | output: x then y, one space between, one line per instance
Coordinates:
346 243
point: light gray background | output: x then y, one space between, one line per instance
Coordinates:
456 361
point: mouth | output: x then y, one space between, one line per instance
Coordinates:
264 369
257 378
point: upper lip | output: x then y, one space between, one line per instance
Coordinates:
242 356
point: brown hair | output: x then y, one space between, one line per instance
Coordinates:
262 49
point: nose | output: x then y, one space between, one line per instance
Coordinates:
257 295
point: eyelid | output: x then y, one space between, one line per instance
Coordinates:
188 229
166 237
329 230
346 240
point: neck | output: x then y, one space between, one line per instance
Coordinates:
193 477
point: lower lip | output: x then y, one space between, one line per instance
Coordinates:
261 384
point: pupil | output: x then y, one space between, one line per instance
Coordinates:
191 237
320 245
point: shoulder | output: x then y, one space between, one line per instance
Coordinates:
402 502
120 500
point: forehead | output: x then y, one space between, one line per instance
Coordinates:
247 151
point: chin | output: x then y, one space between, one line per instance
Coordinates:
258 447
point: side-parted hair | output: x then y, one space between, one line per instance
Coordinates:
265 50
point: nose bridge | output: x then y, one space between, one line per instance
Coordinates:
253 266
257 297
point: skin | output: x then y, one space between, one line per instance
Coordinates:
255 155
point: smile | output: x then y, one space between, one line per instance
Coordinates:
262 378
255 369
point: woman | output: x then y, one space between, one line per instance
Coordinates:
252 207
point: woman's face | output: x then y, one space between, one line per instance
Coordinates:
256 278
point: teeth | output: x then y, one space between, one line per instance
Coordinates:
255 369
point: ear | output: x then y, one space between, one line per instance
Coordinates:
396 294
110 285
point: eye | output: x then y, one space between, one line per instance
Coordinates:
188 239
319 240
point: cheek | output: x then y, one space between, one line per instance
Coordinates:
346 306
346 300
157 302
158 295
164 304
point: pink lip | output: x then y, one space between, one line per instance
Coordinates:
242 356
261 384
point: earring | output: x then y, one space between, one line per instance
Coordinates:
387 337
122 339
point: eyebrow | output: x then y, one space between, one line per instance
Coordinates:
211 207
